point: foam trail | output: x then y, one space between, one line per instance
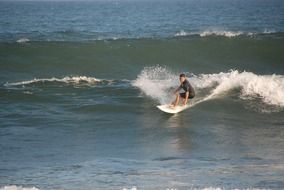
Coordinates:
157 82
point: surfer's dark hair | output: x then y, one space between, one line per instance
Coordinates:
181 75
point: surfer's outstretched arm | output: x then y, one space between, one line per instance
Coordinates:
177 90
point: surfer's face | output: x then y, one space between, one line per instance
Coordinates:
181 79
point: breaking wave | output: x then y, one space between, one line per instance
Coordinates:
159 82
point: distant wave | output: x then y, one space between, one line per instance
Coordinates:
183 33
67 79
212 33
229 34
23 40
205 188
84 36
223 33
14 187
158 83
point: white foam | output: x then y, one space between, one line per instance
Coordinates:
182 33
132 188
158 83
229 34
67 79
23 40
224 33
14 187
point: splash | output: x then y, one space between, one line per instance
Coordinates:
158 83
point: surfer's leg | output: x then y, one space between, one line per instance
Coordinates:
173 103
177 100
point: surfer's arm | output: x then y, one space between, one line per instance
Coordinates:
177 90
186 98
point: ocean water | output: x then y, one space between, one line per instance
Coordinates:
80 82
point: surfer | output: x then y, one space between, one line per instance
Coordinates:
187 94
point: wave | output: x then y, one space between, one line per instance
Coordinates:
205 188
183 33
159 82
14 187
23 40
220 188
229 34
86 36
67 79
224 33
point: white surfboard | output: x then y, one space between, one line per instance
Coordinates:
168 109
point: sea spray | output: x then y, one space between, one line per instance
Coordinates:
157 83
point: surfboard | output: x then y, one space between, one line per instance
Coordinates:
168 109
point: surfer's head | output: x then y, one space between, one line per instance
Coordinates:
182 77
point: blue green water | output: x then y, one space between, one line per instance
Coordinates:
80 82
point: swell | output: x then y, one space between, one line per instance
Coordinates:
126 57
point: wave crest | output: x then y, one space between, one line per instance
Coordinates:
67 79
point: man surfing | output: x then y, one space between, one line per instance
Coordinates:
187 94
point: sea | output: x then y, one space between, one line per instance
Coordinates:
80 82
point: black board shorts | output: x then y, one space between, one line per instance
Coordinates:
184 94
